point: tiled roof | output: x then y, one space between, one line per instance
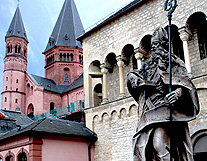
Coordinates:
67 28
50 85
16 27
56 127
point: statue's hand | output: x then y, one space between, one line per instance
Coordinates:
174 95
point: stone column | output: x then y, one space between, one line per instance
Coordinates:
185 36
138 56
104 71
120 64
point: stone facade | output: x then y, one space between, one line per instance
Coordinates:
119 35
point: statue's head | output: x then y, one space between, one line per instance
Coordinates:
159 47
159 39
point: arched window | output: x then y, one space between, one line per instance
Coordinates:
25 51
6 87
64 57
30 111
5 99
71 57
9 158
60 56
67 56
22 157
16 100
52 107
66 79
16 49
8 49
28 88
80 59
53 58
97 94
19 49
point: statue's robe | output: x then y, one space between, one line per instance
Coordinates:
149 88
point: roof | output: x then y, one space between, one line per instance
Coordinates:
132 5
16 27
67 28
56 127
50 85
18 116
12 120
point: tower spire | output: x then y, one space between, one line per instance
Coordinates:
16 27
67 28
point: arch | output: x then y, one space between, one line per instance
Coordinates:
9 156
110 62
28 88
97 94
132 110
52 107
197 24
199 142
71 56
94 69
1 157
64 57
145 44
105 116
127 52
22 155
15 48
30 111
25 51
123 113
176 42
66 81
60 56
67 56
19 49
114 115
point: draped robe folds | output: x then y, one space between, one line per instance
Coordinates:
153 108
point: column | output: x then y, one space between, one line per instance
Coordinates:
120 64
185 36
104 71
138 55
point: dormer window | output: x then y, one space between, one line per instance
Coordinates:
66 37
51 41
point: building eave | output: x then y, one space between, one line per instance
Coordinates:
131 6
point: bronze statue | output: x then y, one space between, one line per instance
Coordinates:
149 87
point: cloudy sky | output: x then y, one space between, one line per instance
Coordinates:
39 17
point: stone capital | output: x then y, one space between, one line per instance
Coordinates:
103 68
120 63
185 35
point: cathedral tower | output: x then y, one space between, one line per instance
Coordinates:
15 65
63 53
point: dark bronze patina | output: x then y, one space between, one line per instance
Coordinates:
157 123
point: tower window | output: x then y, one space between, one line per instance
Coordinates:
5 99
60 56
64 57
16 49
67 56
17 81
16 100
17 89
19 49
6 78
71 57
66 77
6 87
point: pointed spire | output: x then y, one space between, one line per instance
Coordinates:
67 28
16 27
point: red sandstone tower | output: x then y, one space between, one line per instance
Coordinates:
64 54
15 65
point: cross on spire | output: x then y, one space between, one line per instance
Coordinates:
18 2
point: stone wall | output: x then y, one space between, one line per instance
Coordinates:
114 137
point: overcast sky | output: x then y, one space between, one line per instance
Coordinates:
39 17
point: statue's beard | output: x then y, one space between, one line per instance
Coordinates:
161 58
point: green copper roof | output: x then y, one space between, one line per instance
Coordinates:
67 28
16 27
